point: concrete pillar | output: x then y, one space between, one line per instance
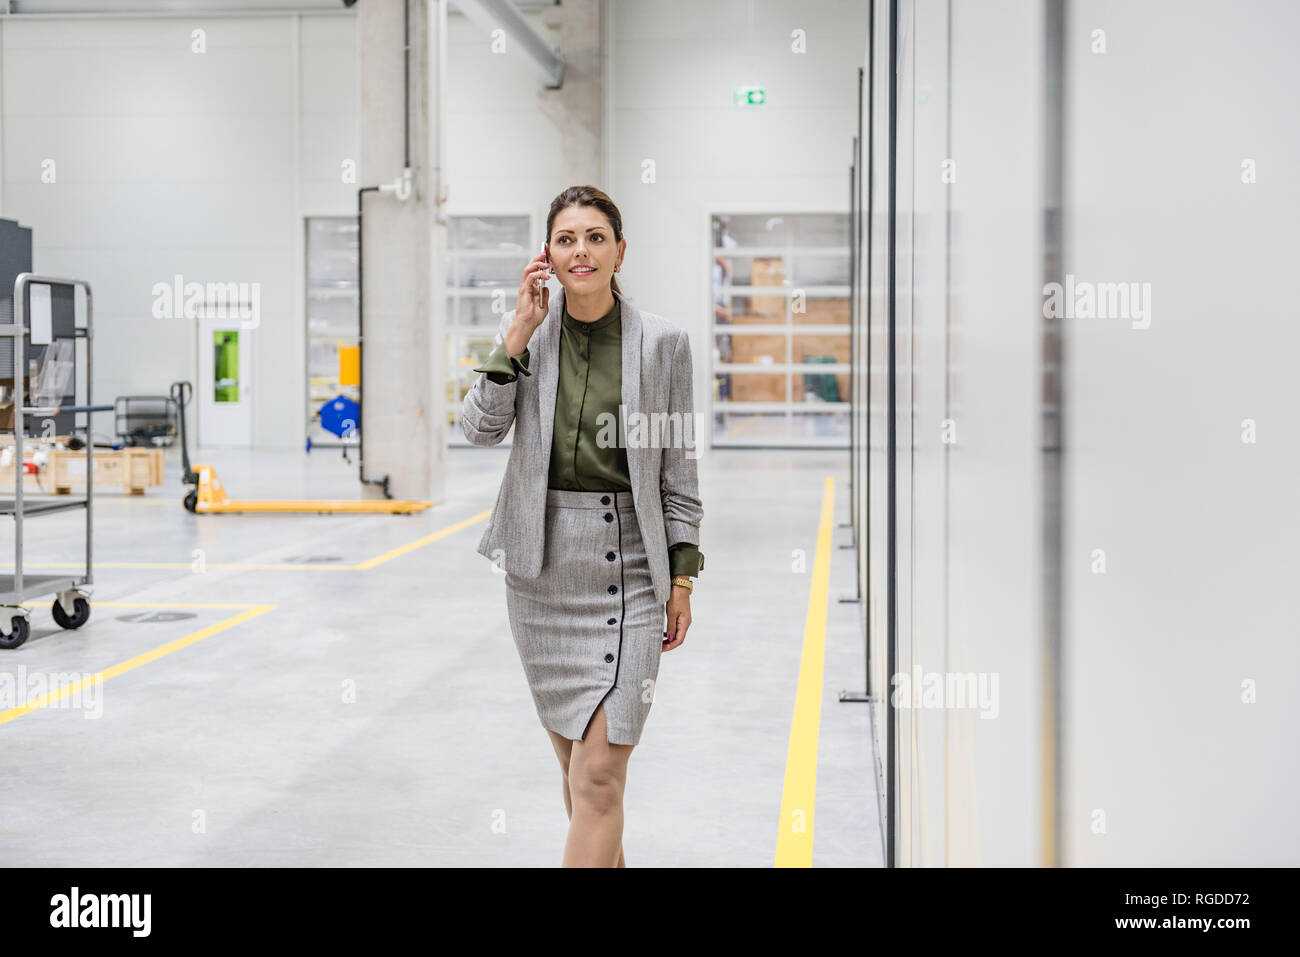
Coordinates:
403 372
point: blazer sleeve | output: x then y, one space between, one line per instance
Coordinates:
489 407
678 476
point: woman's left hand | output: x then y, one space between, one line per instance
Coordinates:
678 610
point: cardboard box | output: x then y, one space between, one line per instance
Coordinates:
823 312
751 348
758 387
768 272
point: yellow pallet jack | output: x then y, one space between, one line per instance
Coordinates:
208 495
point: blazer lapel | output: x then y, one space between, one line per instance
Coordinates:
631 389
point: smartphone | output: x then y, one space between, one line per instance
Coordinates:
546 248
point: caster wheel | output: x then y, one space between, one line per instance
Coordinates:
79 617
18 635
192 502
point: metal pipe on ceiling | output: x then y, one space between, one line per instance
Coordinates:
504 15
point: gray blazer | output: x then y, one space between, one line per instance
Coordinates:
657 377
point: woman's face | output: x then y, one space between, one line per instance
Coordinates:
581 239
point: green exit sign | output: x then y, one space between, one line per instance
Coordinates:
749 96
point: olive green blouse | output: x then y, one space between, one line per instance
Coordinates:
590 383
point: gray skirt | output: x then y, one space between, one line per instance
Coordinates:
589 628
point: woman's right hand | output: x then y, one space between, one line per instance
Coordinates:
532 308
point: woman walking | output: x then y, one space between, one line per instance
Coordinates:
597 521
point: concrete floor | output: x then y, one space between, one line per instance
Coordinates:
380 716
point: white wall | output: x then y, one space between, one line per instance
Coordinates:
505 147
1182 670
170 161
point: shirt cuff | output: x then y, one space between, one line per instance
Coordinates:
502 368
685 559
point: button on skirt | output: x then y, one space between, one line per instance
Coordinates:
589 628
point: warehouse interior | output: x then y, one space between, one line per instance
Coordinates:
252 251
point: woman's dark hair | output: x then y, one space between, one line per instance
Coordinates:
588 196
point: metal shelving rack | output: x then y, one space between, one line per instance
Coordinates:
486 253
806 244
72 604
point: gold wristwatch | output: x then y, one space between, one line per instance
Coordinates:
683 580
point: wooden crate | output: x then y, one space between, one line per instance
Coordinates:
132 469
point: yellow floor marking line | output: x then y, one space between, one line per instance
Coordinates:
420 542
366 565
291 567
794 836
250 612
158 604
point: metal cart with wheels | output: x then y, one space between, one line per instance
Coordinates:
72 592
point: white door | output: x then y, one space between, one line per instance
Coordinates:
225 387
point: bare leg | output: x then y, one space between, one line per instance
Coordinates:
595 780
564 751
